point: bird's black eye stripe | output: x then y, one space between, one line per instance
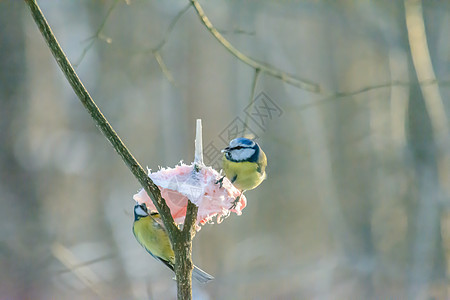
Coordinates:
238 147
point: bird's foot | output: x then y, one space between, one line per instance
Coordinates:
235 202
220 181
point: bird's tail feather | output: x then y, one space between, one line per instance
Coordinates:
201 276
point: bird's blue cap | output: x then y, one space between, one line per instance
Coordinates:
243 141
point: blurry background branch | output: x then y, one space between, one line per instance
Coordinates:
427 79
170 28
395 83
86 275
157 50
252 96
263 67
98 34
164 68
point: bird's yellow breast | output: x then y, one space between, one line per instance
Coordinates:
153 238
246 173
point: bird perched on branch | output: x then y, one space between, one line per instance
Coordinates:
150 232
244 164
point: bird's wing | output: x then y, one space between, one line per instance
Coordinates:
234 178
158 221
166 262
262 162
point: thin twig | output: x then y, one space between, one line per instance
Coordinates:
394 83
252 96
264 67
86 275
97 34
171 27
236 31
164 68
89 262
157 50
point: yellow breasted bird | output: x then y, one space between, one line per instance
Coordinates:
150 232
244 164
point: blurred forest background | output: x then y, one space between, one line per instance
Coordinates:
356 204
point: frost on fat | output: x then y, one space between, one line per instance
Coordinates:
183 182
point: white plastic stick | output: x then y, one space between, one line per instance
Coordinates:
198 143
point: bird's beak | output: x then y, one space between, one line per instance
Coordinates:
227 149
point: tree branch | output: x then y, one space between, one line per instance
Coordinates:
183 253
264 67
189 221
101 122
181 240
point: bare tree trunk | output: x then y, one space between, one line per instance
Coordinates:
427 252
427 257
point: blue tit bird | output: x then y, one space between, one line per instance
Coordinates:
150 232
244 164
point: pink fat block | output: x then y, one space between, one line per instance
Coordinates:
183 182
